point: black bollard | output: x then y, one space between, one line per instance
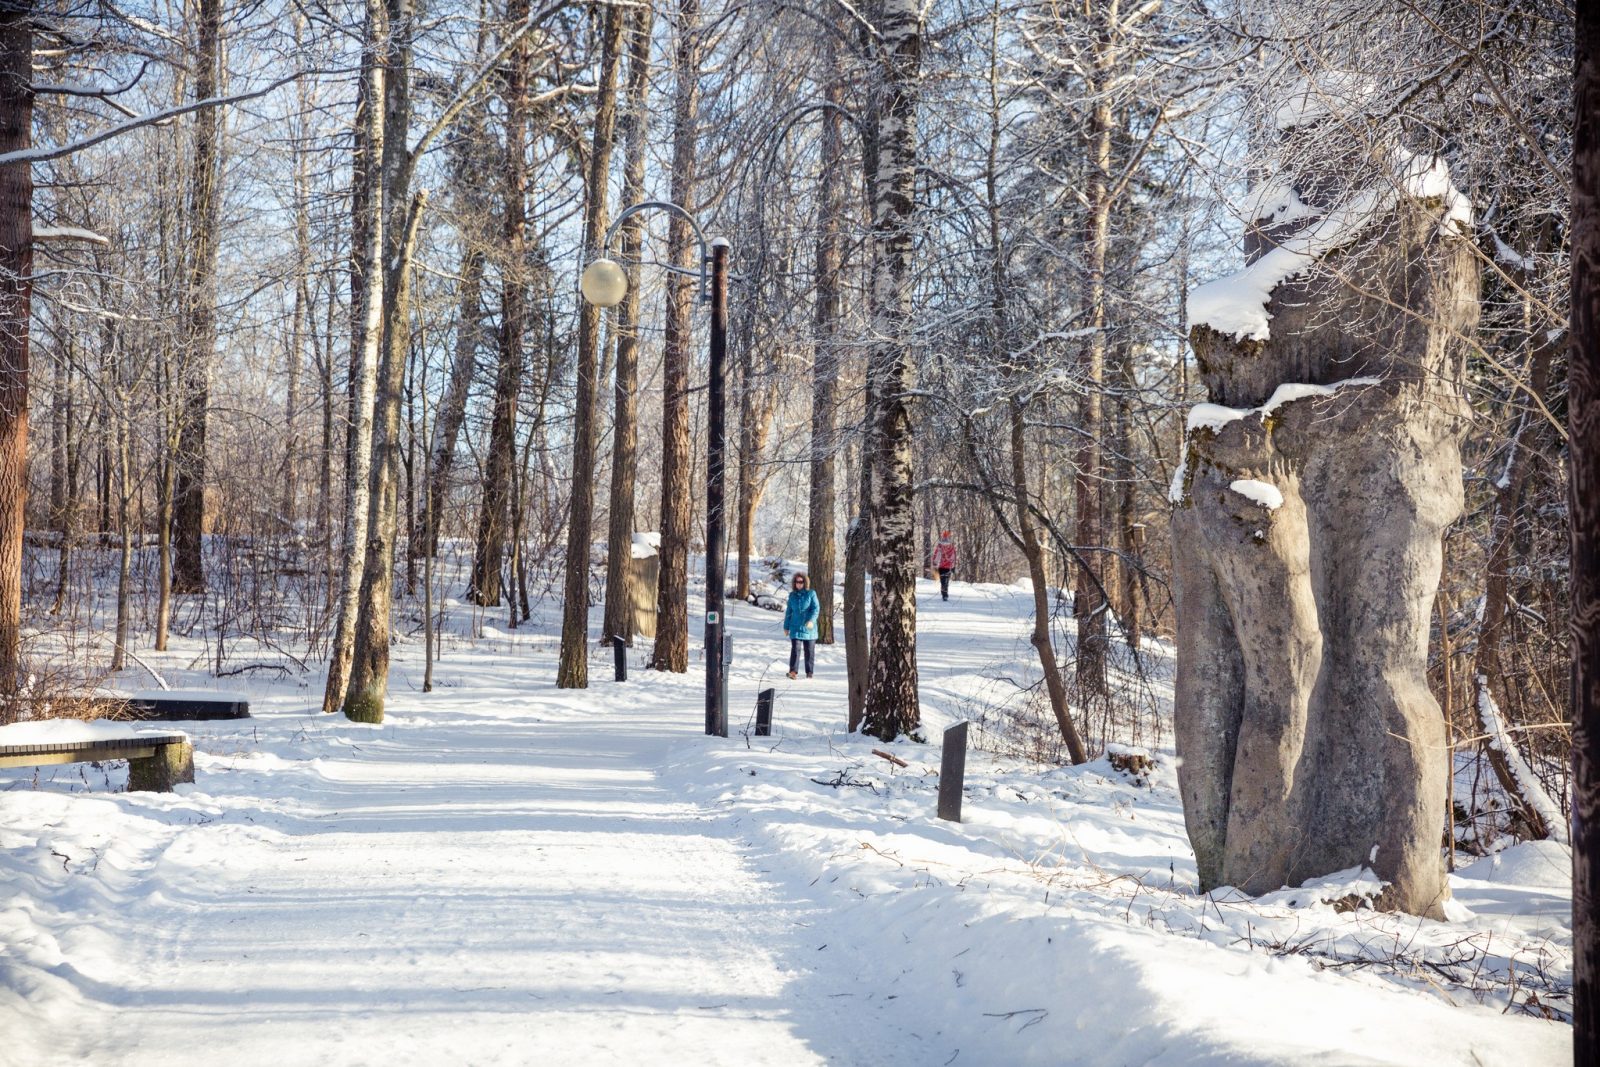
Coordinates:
952 772
764 701
619 646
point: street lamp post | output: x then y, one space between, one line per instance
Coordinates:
604 284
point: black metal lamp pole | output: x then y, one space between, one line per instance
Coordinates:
604 283
716 483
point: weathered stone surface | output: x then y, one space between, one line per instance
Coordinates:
159 773
1309 739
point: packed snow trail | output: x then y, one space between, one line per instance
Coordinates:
488 889
505 873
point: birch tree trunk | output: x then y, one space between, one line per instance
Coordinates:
671 651
205 207
16 299
366 335
572 672
625 328
369 663
892 706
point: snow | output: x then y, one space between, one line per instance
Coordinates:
507 873
1531 864
70 731
1236 304
1528 783
1258 492
68 233
1214 417
646 545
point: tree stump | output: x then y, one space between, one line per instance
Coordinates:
1308 547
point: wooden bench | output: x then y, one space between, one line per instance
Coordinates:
156 762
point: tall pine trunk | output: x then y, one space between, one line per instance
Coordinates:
1583 421
205 207
16 298
500 468
625 328
677 465
1089 605
573 670
821 534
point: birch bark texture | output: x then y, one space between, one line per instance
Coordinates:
892 706
1308 548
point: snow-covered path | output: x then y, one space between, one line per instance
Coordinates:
488 889
508 873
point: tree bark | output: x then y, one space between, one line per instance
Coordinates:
500 468
1088 598
892 706
369 663
619 615
205 207
572 672
366 330
671 652
821 534
16 300
1583 422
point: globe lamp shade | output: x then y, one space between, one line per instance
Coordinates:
604 283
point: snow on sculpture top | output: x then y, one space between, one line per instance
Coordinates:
1236 304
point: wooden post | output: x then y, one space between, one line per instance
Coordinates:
619 647
952 772
764 702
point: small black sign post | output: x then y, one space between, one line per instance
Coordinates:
619 647
764 701
952 772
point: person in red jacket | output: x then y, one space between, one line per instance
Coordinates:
944 561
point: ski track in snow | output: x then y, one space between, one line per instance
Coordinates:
507 873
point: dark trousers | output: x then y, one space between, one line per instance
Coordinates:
795 644
944 582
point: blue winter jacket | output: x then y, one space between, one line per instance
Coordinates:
800 616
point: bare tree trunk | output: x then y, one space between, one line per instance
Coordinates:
1583 421
619 616
573 670
453 404
821 533
857 647
369 663
892 706
1128 529
489 553
205 207
757 401
677 465
1088 599
16 298
366 285
297 330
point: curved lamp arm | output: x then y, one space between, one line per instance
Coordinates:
704 274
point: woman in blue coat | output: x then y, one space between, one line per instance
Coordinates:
800 623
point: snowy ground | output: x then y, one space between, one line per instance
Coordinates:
505 873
